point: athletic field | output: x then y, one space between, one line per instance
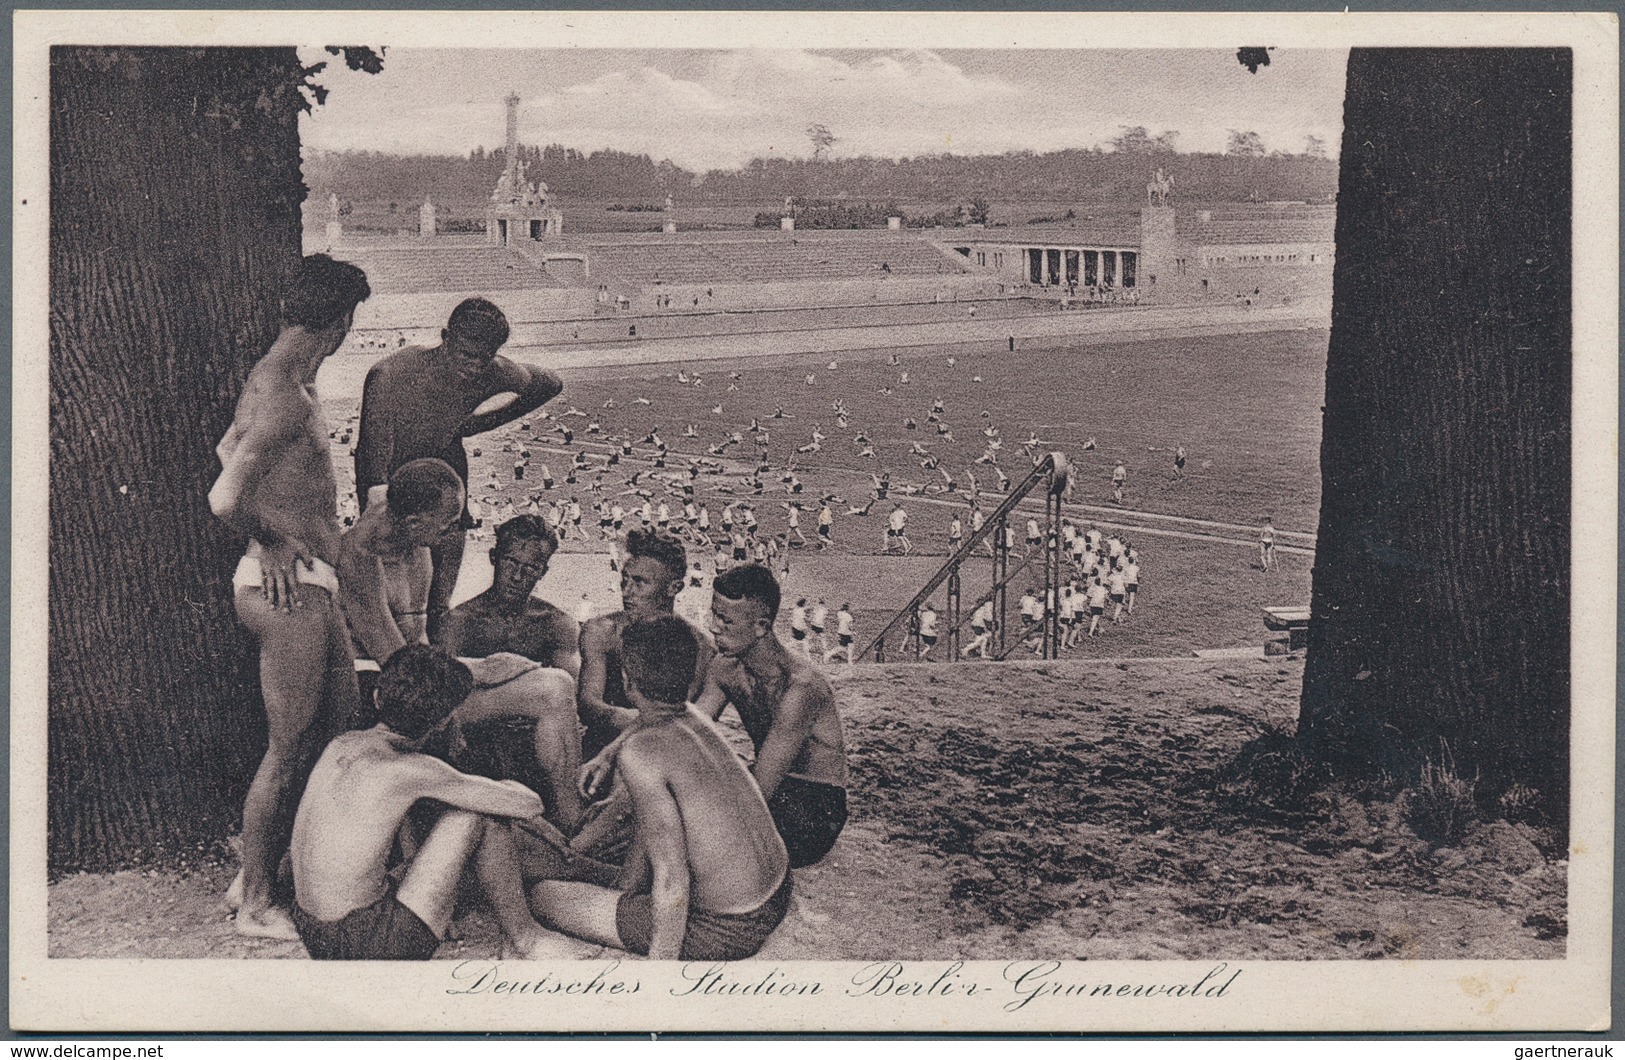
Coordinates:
1246 407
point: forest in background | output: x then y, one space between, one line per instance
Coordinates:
1117 173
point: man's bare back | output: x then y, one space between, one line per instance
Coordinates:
355 803
735 858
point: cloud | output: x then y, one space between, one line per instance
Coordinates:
719 109
758 103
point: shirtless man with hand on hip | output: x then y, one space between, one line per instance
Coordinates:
276 486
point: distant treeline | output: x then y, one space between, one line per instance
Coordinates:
1084 175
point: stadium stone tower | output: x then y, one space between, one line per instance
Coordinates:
519 210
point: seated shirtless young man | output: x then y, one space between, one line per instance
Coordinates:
385 572
785 704
348 907
508 618
651 577
708 877
276 488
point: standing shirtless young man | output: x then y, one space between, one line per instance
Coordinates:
384 569
276 486
421 403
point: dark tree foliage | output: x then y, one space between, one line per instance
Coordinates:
1441 586
1085 175
1253 58
175 197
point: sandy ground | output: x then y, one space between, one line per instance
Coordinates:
1045 810
1089 808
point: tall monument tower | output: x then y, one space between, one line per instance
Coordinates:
1158 241
512 155
519 211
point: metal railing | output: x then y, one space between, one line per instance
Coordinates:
904 627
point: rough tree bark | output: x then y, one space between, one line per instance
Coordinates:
175 192
1441 580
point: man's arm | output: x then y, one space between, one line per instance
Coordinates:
243 468
565 635
792 722
597 640
494 798
532 388
375 446
660 831
456 632
713 697
365 600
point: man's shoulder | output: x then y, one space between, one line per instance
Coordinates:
603 627
648 748
538 608
807 678
549 615
396 366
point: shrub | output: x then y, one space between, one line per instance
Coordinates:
1442 807
1520 802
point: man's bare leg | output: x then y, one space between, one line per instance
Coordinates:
295 672
548 697
497 864
583 910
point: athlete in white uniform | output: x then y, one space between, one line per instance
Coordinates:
928 629
844 635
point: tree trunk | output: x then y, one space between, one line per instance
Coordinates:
1441 583
175 192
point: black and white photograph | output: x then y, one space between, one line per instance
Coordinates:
793 522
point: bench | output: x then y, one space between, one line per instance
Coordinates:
1293 621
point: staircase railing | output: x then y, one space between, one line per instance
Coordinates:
904 627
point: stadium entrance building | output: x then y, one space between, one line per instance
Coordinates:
519 210
1286 247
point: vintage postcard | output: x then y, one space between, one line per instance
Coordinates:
679 521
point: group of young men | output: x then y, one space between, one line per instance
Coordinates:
1101 571
661 842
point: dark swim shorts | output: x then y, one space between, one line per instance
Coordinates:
710 936
386 930
809 815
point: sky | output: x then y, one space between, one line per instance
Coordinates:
712 109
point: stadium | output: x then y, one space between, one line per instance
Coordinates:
1146 366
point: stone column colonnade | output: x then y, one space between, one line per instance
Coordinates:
1086 267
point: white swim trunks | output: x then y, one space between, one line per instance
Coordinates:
320 573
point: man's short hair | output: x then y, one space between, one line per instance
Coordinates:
419 686
659 546
481 321
423 485
659 655
322 292
751 581
526 528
